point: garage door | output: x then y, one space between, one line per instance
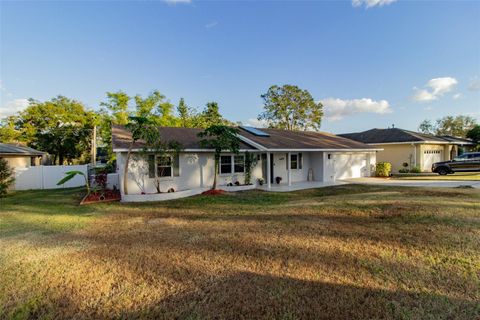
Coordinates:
348 166
430 157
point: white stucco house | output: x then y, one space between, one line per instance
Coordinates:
294 156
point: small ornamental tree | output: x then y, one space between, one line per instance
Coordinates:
154 148
141 128
250 162
6 177
220 138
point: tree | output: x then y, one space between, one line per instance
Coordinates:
156 147
426 127
6 177
474 134
61 126
187 117
250 162
8 131
220 138
141 128
156 108
291 108
117 104
452 126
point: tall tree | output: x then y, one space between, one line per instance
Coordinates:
474 134
186 116
61 126
453 126
220 138
291 108
117 104
155 107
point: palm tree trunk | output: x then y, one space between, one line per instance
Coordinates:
125 169
216 172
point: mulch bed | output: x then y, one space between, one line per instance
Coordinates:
213 192
101 196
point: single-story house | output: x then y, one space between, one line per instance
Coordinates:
293 156
19 157
404 148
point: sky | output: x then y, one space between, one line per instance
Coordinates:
372 63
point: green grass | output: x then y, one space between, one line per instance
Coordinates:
345 252
458 176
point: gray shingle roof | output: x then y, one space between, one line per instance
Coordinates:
278 139
392 135
13 149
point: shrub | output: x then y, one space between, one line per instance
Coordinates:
404 170
278 180
6 178
415 170
383 169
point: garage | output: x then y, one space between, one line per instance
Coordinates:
350 165
430 156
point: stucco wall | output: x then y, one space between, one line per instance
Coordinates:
296 175
196 171
397 154
18 161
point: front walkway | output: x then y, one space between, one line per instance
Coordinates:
415 183
299 186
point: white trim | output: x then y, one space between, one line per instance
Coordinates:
183 150
267 150
409 142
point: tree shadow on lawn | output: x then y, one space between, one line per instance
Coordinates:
247 295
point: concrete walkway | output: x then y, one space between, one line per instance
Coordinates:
300 186
415 183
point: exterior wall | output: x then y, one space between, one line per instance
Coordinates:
296 175
397 154
347 165
19 161
316 164
196 171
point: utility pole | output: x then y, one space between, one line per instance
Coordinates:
94 146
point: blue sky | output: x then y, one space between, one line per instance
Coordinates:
373 63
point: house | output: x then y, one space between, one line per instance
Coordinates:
404 148
292 156
19 157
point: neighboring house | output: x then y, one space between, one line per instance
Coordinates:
407 147
19 157
294 156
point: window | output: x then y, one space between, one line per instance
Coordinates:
32 161
239 164
294 161
164 166
225 164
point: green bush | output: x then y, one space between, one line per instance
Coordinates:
6 178
415 170
383 169
404 170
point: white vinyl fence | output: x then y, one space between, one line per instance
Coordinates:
47 177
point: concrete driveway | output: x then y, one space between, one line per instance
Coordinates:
415 183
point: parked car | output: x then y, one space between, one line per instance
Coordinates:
469 161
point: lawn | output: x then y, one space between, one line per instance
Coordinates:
458 176
345 252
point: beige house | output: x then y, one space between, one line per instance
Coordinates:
408 149
19 157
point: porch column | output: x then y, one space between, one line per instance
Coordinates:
289 169
269 185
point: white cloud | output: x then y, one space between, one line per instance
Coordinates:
178 1
435 88
12 107
474 84
457 96
211 24
371 3
335 109
256 123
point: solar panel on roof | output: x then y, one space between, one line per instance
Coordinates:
255 131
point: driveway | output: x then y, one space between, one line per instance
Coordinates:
415 183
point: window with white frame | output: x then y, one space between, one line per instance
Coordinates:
225 164
296 160
239 164
163 166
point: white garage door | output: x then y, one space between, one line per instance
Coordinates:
430 157
348 166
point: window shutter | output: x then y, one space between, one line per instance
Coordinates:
151 166
300 161
176 165
287 161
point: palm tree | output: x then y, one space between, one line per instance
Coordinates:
220 138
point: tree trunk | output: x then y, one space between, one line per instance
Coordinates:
125 169
217 158
60 159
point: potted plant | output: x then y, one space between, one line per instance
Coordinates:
278 180
261 181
